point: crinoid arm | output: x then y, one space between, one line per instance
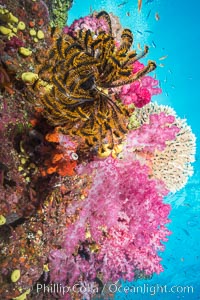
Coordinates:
126 40
103 14
149 68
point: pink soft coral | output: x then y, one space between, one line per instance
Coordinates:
89 22
153 136
126 218
139 92
134 240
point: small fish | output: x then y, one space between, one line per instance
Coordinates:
157 17
166 94
186 232
161 65
149 31
170 71
163 57
139 5
139 47
165 80
140 32
128 13
122 4
148 15
182 259
149 1
186 204
91 10
165 266
153 44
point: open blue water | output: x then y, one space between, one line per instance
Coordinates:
177 35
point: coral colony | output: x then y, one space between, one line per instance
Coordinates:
86 158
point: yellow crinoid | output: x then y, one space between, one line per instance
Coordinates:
82 71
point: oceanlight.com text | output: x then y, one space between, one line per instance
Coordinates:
150 289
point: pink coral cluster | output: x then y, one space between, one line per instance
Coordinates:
153 136
138 225
88 22
139 92
14 43
126 218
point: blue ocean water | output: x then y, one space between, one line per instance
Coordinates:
176 36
